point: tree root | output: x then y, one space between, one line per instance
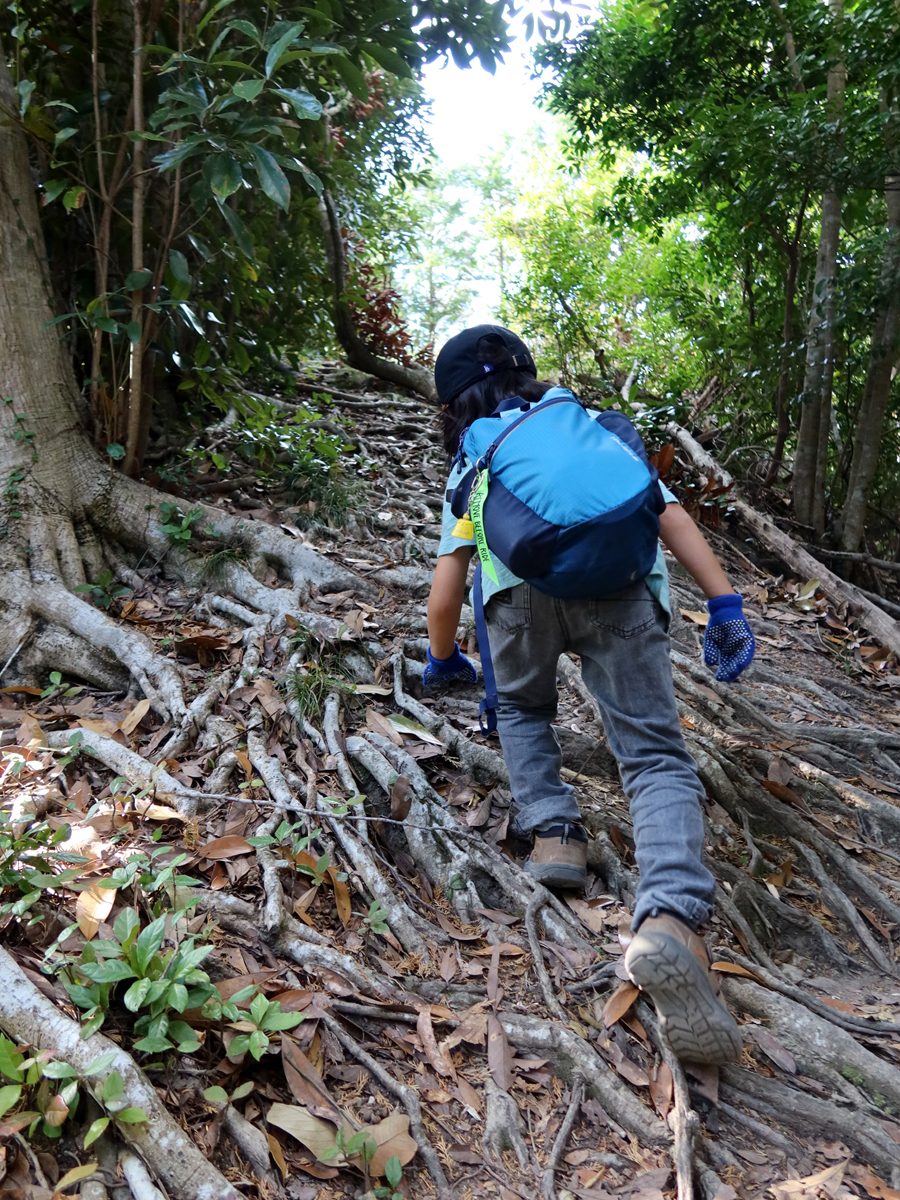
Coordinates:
573 1057
559 1146
407 1097
844 1021
252 1144
503 1125
27 1016
51 602
821 1050
535 904
138 1177
475 864
309 950
793 1109
161 786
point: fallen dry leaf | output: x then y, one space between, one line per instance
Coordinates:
730 968
379 724
773 1049
635 1075
619 1003
342 899
591 917
661 1089
810 1186
405 725
316 1135
695 616
401 800
93 906
225 847
471 1028
438 1058
497 915
469 1097
872 1185
391 1136
74 1176
306 1084
278 1154
447 967
130 723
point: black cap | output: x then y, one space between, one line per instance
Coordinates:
462 361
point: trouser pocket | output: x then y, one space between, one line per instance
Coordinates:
510 610
625 613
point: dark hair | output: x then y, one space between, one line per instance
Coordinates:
481 398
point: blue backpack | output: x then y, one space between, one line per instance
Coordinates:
572 504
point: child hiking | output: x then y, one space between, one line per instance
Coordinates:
569 500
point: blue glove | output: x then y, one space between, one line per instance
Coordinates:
728 643
444 670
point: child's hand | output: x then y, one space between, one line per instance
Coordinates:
728 643
444 670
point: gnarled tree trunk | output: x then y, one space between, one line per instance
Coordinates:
65 516
359 355
879 377
815 422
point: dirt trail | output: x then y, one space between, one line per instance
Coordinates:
447 998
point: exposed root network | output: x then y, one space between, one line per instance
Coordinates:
382 896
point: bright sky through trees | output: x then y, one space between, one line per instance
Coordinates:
474 113
474 110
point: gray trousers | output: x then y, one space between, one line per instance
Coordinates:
623 643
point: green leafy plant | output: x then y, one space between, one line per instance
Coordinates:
376 918
265 1017
163 983
112 1097
56 688
178 526
30 862
356 1144
30 1098
104 591
141 870
218 1095
393 1173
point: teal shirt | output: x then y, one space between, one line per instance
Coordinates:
657 581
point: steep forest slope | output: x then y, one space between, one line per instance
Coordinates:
300 937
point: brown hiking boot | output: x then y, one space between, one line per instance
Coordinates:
670 962
559 857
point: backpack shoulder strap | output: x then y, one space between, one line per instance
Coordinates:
540 407
487 710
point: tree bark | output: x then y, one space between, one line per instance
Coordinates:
879 376
136 371
65 516
416 378
838 590
792 250
812 442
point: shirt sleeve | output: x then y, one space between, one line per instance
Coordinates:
448 542
666 494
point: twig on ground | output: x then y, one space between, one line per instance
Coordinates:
535 904
562 1137
407 1097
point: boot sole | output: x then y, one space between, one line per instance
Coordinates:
560 875
698 1025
